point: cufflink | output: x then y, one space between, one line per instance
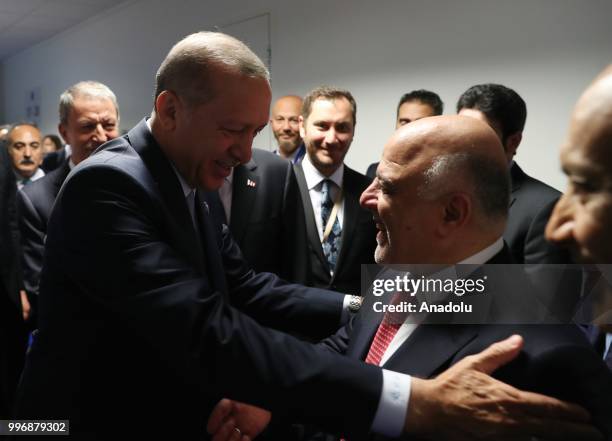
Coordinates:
206 207
355 303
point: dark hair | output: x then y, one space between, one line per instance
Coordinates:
328 93
426 97
55 140
499 104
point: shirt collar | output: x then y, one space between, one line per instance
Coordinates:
486 254
314 176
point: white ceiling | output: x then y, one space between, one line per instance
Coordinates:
24 23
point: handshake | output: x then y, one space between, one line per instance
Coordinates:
462 403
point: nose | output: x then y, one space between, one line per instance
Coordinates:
27 151
100 134
287 126
560 227
242 149
331 136
369 197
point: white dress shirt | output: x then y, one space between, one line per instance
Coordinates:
225 194
314 182
39 173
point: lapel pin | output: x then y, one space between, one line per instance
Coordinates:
251 183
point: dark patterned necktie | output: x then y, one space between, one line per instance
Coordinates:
331 245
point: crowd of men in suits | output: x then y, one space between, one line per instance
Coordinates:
175 276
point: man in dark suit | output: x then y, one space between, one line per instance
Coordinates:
531 200
412 106
442 197
442 182
89 116
12 330
260 202
150 314
340 233
581 219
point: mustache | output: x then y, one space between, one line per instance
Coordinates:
26 162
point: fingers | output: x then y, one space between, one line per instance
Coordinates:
547 407
218 415
554 430
497 354
226 432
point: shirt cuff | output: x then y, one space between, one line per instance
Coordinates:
390 416
345 315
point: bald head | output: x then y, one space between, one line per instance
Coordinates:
443 191
285 124
581 219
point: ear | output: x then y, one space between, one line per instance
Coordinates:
457 211
302 123
166 106
61 128
512 143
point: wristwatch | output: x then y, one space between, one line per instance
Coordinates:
355 303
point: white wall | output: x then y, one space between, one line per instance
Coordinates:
547 50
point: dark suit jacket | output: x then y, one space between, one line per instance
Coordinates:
34 203
358 237
13 336
531 204
371 171
53 160
267 215
146 321
557 360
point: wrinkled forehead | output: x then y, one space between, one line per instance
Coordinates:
589 139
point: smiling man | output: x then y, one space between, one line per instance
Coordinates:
285 124
149 313
582 219
89 116
340 233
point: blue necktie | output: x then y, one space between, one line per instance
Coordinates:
331 245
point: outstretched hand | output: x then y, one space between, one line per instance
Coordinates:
466 403
236 421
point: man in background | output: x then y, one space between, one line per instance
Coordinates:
412 106
340 233
531 200
24 146
88 117
285 126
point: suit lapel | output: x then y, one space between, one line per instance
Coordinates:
311 225
430 348
244 192
351 213
168 185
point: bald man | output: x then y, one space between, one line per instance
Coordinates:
285 126
582 218
441 197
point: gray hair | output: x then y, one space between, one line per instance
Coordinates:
489 183
87 89
186 68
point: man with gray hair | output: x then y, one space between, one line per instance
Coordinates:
151 314
89 116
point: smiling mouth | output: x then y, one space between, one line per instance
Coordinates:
228 165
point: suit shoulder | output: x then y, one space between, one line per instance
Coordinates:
269 160
356 179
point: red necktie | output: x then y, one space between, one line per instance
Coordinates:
386 331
